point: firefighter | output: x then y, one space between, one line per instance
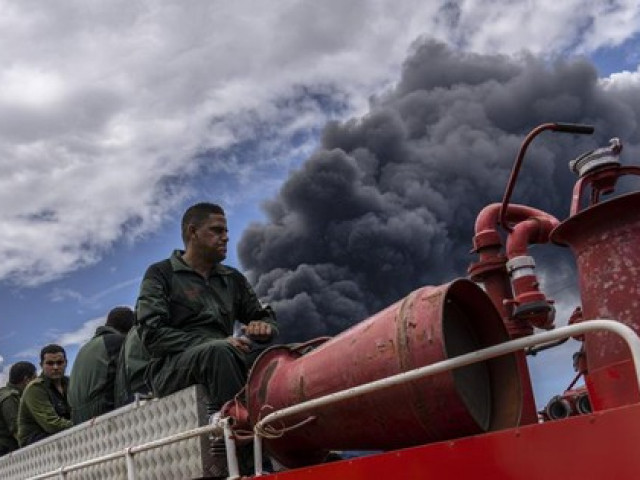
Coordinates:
44 409
20 374
187 307
92 379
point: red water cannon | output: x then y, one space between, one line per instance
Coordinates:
431 324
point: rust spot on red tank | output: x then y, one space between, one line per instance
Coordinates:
300 390
385 346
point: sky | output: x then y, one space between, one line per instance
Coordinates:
352 144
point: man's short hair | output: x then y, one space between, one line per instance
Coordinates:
120 318
52 348
197 214
20 371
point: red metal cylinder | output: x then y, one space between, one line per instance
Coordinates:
429 325
604 240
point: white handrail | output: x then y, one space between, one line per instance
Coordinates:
468 358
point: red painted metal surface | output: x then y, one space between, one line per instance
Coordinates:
528 226
431 324
598 446
604 240
531 304
531 226
599 182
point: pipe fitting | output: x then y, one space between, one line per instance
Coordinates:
601 157
531 304
521 266
583 404
558 408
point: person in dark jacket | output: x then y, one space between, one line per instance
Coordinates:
187 308
92 380
43 406
132 364
20 374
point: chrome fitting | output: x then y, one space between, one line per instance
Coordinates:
605 156
521 266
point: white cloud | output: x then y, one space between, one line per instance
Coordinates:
622 80
571 26
71 339
104 102
63 294
81 335
23 86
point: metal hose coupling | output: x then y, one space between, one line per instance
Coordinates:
558 408
583 404
530 303
600 157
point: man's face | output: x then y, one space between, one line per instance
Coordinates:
53 365
212 237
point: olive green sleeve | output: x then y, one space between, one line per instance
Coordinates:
36 399
10 413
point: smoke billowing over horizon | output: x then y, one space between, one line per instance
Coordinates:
388 201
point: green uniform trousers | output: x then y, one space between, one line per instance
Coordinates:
218 366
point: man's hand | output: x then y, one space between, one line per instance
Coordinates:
258 330
241 343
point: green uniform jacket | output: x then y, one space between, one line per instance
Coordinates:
43 410
186 310
132 364
9 403
91 383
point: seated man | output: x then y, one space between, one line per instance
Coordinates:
186 310
91 384
20 375
43 407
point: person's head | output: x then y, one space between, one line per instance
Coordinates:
53 360
22 373
204 228
120 318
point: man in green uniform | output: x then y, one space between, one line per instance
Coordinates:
92 379
187 308
20 374
43 407
132 363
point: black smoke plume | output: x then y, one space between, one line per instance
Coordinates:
388 202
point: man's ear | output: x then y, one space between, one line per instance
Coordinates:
193 230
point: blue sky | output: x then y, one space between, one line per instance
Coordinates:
117 115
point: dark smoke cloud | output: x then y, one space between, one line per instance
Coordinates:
388 203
